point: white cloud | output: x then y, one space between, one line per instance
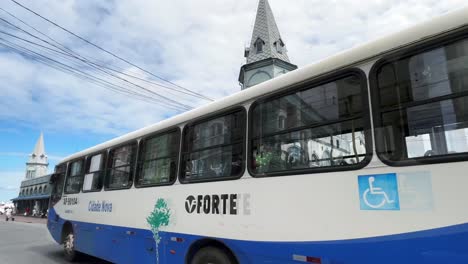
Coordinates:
9 184
197 44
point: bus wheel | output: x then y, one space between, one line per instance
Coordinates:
69 247
212 255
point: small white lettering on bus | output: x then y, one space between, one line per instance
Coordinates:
70 201
100 206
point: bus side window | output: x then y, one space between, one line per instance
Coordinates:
74 176
214 149
158 158
93 178
120 167
57 181
313 128
426 116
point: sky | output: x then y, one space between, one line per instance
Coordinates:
197 45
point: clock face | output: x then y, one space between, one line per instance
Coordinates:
258 77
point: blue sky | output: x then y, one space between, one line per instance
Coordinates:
196 44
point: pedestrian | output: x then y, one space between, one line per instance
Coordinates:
8 214
13 213
44 213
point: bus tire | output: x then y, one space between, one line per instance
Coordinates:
211 255
69 246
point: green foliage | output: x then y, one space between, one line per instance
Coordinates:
159 217
269 161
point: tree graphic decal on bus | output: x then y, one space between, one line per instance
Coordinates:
158 218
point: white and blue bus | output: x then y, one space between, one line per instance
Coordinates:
360 158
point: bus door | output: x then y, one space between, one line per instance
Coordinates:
57 181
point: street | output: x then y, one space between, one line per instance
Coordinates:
24 243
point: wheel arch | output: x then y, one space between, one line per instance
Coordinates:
208 242
66 228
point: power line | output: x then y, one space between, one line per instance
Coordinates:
186 107
70 70
72 53
110 53
75 72
83 60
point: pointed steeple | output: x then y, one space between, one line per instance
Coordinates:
37 164
266 56
266 40
38 151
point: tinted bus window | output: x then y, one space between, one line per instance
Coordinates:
93 178
74 177
213 149
314 128
422 105
120 167
158 159
57 181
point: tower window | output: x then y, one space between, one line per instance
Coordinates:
246 52
259 45
279 45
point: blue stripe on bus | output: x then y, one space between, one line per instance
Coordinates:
131 245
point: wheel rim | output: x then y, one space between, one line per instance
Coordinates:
69 244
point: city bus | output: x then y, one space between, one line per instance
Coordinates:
359 158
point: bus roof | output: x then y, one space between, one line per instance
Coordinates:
362 53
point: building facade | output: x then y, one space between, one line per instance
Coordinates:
34 194
35 189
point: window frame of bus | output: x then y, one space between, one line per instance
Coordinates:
103 169
226 112
311 84
140 149
68 172
132 169
55 197
404 53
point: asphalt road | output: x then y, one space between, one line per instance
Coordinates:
25 243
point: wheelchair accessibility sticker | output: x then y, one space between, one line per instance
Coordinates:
379 192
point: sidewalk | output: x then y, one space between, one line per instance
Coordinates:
27 219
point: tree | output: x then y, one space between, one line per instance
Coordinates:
158 218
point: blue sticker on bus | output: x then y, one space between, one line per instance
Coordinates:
379 192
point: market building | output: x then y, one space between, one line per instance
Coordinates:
35 189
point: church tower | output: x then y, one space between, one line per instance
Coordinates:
37 164
267 56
